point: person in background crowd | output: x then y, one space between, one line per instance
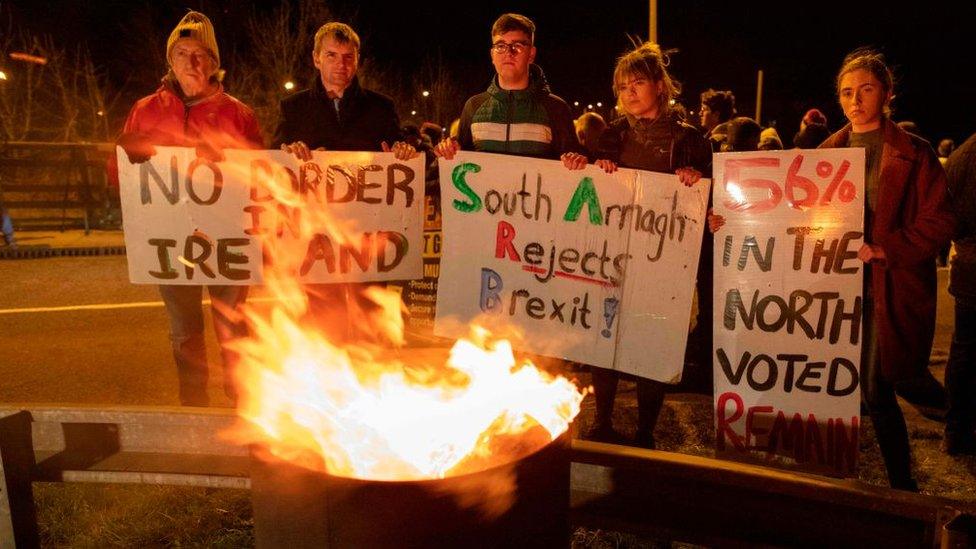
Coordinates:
742 135
960 375
813 116
769 140
589 128
335 113
517 114
717 108
651 137
190 109
813 130
907 221
946 146
6 224
811 136
432 132
411 135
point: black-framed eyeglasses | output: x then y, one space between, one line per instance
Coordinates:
514 47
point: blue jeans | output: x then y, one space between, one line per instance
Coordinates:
184 306
6 226
960 376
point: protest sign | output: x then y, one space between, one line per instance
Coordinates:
590 267
341 217
788 307
420 295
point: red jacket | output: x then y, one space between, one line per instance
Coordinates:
219 121
912 222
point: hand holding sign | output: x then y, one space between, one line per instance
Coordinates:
195 217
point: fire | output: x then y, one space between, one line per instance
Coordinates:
350 405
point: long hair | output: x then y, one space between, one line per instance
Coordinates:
651 62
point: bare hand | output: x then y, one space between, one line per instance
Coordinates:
715 221
608 166
400 150
447 148
299 149
871 253
688 176
136 146
573 161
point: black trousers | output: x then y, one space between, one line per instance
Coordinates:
960 376
650 399
879 397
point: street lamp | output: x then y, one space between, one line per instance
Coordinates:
425 93
598 104
3 75
289 85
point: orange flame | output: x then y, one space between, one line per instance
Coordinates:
354 408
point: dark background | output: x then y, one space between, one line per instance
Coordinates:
721 45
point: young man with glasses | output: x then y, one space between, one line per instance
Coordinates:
517 114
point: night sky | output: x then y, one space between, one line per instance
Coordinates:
720 44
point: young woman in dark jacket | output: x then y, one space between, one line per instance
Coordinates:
650 136
907 222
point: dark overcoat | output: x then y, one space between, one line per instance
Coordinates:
365 119
912 222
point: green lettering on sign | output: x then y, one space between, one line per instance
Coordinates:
457 176
585 194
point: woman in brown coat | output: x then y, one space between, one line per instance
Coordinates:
907 221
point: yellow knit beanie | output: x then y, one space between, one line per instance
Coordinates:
195 25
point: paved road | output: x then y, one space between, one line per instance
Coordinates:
74 330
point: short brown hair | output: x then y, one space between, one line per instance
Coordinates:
721 102
514 22
340 32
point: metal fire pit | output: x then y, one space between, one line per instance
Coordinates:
295 507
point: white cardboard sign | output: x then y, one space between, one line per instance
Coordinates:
192 221
590 267
788 306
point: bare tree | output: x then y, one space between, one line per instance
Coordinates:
279 51
443 102
62 98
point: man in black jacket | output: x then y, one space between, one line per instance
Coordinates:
336 113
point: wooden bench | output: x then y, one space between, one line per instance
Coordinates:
72 180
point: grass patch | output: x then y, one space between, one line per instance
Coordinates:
123 515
